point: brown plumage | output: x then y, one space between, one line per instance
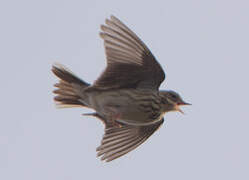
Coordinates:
126 96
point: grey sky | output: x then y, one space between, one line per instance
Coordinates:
202 45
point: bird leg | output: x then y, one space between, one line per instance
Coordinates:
113 115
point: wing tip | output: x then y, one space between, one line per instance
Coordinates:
112 17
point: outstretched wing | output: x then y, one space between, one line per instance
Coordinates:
119 140
130 64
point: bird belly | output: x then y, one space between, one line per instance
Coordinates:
125 108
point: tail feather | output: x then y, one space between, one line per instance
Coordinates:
66 92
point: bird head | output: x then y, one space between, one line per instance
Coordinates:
172 101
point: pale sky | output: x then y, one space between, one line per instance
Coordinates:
203 47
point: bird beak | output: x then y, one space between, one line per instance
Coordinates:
184 103
178 109
177 106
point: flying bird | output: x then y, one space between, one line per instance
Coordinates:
126 97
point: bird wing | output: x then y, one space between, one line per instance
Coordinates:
119 140
130 64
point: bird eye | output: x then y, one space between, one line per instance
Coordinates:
173 96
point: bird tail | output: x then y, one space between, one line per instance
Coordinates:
69 88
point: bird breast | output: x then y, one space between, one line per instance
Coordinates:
134 107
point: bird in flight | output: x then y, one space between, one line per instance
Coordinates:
126 97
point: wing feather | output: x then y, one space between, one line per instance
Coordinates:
121 139
130 64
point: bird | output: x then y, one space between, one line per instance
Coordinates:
125 97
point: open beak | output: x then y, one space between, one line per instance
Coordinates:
177 106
